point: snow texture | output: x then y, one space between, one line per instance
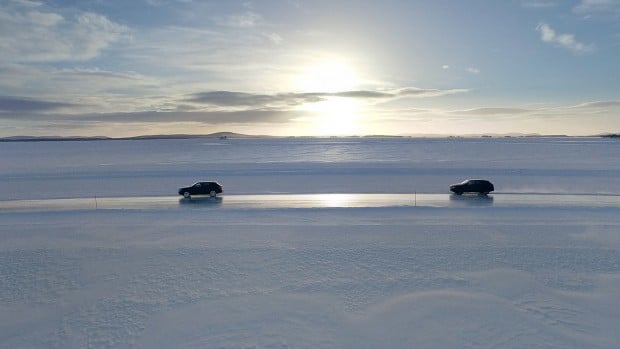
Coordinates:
382 277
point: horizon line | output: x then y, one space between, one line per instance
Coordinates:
226 135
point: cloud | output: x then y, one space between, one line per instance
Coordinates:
274 38
590 6
242 99
445 66
473 70
45 112
43 118
244 20
567 41
491 111
209 117
28 3
215 107
40 34
583 110
252 116
538 4
597 104
95 72
420 92
599 9
25 105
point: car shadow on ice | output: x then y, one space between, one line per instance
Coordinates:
201 201
471 200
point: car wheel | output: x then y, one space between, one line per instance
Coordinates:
458 192
186 195
212 193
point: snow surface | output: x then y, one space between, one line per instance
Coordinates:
35 170
200 276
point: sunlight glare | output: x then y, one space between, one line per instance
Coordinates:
336 200
336 117
333 115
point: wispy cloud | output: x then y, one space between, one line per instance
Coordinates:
214 107
21 105
390 94
39 34
567 41
598 9
424 92
538 4
491 111
589 6
606 107
95 72
243 20
473 70
598 104
251 117
600 117
274 38
241 99
48 113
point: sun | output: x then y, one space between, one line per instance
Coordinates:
334 115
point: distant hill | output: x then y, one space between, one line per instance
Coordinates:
220 135
51 138
186 136
232 135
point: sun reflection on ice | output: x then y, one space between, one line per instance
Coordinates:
336 200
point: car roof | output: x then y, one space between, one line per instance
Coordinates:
472 180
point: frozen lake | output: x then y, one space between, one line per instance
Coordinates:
316 243
38 170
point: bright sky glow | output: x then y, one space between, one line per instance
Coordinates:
119 68
328 76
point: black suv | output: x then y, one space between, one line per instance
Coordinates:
481 186
201 188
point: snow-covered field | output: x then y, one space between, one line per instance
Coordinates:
255 166
216 276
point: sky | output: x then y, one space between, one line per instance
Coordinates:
309 68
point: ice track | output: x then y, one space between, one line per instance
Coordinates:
279 201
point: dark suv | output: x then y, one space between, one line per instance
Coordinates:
481 186
201 188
